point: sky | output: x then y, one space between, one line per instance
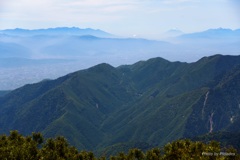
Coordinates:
142 18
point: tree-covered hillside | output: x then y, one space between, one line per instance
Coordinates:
2 93
154 102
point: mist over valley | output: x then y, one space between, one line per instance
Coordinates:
29 56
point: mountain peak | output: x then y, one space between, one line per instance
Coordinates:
102 67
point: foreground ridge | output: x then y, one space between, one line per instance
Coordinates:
153 102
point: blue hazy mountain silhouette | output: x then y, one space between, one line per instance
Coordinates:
20 48
214 33
57 31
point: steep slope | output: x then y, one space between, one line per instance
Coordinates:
219 108
76 104
154 101
160 115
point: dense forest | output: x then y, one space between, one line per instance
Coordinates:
18 147
154 109
154 102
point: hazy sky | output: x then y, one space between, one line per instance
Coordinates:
144 18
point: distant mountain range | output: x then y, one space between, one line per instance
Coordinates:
48 50
214 33
75 31
77 43
148 103
57 31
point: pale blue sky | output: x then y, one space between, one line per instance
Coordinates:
144 18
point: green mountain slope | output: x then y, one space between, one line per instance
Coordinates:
219 108
3 93
153 101
74 105
161 114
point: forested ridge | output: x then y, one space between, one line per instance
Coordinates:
144 105
18 147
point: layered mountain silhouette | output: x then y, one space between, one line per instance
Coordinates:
47 50
152 102
56 31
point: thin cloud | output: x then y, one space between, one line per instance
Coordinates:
118 5
118 16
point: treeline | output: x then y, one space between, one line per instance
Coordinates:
34 147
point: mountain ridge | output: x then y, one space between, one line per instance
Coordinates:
57 31
154 101
213 33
